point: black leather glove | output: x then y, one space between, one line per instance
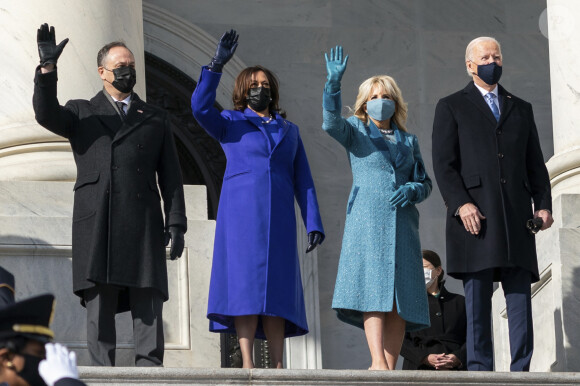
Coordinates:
47 48
224 51
175 234
314 238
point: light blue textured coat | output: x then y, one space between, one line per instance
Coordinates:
380 259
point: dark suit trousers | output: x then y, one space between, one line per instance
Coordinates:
478 287
146 306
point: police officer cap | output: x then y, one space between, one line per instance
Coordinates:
6 288
29 318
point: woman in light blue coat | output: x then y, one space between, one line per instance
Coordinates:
379 285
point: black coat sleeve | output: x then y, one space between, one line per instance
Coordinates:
411 349
170 181
48 112
446 158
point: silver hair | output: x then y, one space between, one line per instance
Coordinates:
473 43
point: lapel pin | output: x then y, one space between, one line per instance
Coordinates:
509 96
140 111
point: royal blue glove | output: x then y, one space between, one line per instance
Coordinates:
224 51
335 68
314 238
403 196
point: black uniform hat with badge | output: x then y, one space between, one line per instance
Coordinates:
6 288
29 318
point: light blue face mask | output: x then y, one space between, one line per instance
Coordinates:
380 109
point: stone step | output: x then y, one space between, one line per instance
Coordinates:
188 376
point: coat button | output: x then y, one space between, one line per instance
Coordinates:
138 170
114 167
498 132
139 146
107 191
438 313
500 155
503 180
138 195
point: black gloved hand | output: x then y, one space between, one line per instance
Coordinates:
224 51
314 238
47 48
175 234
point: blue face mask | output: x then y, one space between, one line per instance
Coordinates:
380 109
489 73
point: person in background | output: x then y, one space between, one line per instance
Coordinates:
256 286
24 344
442 345
379 284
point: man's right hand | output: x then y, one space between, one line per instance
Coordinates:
471 218
48 50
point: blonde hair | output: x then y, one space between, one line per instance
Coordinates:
473 43
390 86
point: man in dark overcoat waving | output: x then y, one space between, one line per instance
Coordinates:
123 147
491 173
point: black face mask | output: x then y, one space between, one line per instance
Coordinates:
259 98
125 78
489 73
30 370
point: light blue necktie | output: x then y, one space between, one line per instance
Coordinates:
490 99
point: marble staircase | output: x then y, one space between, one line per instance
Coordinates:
187 376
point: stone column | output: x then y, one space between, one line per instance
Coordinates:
563 28
28 151
556 297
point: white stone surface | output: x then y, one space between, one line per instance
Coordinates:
94 376
305 352
35 237
28 151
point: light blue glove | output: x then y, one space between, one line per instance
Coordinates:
403 196
335 67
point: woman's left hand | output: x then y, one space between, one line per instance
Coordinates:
402 196
314 238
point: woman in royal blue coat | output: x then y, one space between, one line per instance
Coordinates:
256 287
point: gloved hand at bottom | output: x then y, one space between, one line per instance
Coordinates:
59 364
403 196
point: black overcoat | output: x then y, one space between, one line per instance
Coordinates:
499 167
118 226
446 335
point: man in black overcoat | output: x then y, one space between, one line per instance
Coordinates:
123 148
491 173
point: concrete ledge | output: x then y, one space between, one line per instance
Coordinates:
187 376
